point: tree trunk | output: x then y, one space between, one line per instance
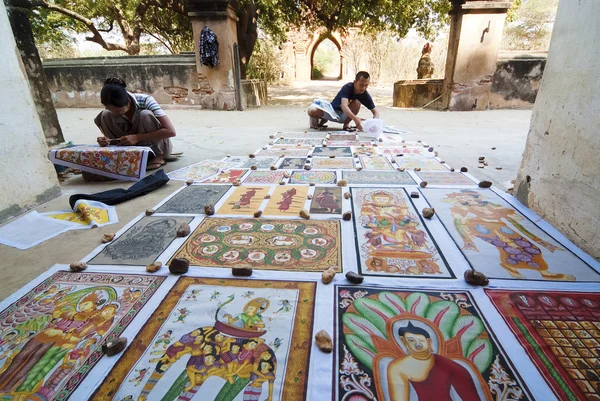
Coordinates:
247 34
38 84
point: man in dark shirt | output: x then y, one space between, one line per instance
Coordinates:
346 105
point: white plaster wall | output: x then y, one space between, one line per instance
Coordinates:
27 176
560 173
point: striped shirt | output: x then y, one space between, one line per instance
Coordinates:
147 102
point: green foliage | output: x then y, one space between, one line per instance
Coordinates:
266 62
326 60
529 25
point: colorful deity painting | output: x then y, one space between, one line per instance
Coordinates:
201 171
404 345
52 337
337 163
326 201
225 177
289 245
236 344
289 151
391 238
501 242
364 177
424 163
264 177
245 200
343 151
315 177
561 333
375 163
286 201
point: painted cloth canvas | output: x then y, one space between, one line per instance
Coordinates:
320 135
201 171
337 163
301 141
326 201
52 336
225 177
141 244
345 143
286 201
317 177
285 152
264 177
393 150
375 163
220 339
501 242
445 178
290 245
86 214
193 198
343 151
244 200
424 163
391 238
293 163
378 177
343 137
259 162
399 344
561 333
364 150
119 162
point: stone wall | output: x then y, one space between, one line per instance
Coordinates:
516 80
171 79
559 177
28 177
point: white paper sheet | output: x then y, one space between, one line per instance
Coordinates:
32 229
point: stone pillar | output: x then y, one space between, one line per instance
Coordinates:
475 38
18 16
559 178
216 87
27 177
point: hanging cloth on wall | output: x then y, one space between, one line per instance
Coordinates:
209 48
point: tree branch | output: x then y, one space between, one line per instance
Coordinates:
165 44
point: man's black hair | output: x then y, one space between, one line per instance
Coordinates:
114 93
412 329
362 74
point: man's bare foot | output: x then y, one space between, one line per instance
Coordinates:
156 163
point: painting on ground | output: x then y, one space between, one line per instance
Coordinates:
326 201
141 244
259 162
315 177
320 135
220 339
289 245
445 178
299 141
343 151
286 201
244 200
375 163
293 163
52 336
424 163
225 177
561 333
378 177
399 344
264 177
287 152
193 198
391 238
337 163
501 242
201 171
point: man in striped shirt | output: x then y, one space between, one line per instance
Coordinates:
134 119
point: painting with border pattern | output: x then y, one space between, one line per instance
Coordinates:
378 178
193 198
244 200
316 177
336 163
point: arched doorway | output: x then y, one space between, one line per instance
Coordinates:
326 59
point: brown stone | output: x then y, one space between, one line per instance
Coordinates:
273 168
452 169
474 277
342 183
286 175
332 156
150 212
443 161
252 155
428 212
312 184
355 154
153 267
309 156
257 214
493 148
309 197
324 341
485 184
253 168
393 160
481 166
347 216
242 271
265 147
430 149
486 164
380 139
464 169
237 183
400 169
113 347
347 195
362 144
281 137
271 136
417 168
498 168
183 230
374 145
282 155
435 153
78 266
189 182
354 277
414 194
281 182
324 145
358 168
481 158
304 214
307 167
267 196
179 266
423 184
108 237
270 143
209 210
328 275
419 141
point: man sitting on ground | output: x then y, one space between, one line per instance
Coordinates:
346 105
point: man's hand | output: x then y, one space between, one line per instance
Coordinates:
129 140
103 141
358 124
